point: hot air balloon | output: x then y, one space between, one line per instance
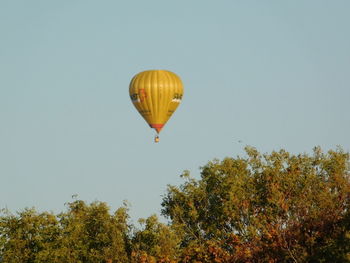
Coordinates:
156 94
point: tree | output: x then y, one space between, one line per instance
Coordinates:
28 237
274 207
91 235
156 242
85 233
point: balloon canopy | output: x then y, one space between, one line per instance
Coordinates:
156 94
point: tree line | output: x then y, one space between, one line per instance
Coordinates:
276 207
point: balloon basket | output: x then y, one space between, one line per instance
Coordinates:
156 139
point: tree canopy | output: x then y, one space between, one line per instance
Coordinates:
277 207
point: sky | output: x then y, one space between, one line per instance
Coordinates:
268 74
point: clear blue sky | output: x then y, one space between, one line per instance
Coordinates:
272 74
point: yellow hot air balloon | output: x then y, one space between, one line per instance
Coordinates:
156 94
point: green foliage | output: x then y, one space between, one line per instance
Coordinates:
276 207
28 237
273 207
156 240
85 233
91 234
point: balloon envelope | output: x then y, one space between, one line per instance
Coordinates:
156 94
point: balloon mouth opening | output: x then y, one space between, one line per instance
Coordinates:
157 126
